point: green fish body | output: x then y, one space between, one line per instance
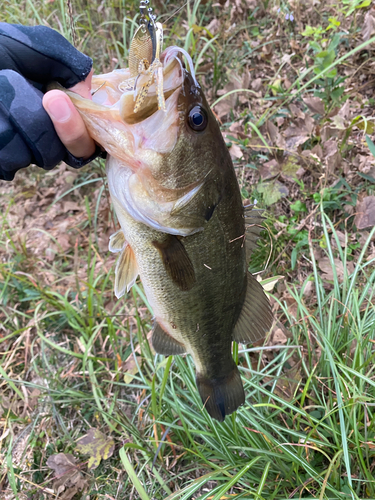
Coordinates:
178 202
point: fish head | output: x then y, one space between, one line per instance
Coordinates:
166 167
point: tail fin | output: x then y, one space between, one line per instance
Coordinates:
223 395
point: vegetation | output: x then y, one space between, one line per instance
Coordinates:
292 86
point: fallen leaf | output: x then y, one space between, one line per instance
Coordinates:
68 478
326 267
279 337
315 104
296 111
235 151
71 205
365 209
229 102
287 384
214 26
309 289
368 29
269 169
291 169
62 463
317 150
299 132
63 241
256 84
130 367
332 155
272 191
365 164
269 283
97 445
370 444
341 238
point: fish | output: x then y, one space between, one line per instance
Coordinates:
183 227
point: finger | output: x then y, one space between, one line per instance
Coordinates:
68 124
84 88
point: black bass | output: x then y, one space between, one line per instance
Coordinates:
176 196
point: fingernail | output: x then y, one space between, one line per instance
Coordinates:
59 110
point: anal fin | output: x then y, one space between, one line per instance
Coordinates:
176 261
126 271
256 315
164 343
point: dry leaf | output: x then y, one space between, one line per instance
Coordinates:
291 169
272 191
287 384
365 209
97 445
309 289
332 155
368 29
317 150
228 103
256 84
269 169
315 104
296 111
235 151
130 367
299 132
279 337
341 238
68 478
365 164
326 268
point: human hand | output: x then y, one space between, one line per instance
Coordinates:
67 121
30 58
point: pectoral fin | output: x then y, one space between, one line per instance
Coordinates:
256 316
164 343
126 272
117 242
176 262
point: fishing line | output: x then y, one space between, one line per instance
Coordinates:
178 10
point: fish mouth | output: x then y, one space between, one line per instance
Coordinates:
119 89
134 138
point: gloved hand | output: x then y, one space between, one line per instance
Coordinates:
30 58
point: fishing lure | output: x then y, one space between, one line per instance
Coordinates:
144 58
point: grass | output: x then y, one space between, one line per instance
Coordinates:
73 357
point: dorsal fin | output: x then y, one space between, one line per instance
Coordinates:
117 241
163 343
256 316
253 221
126 271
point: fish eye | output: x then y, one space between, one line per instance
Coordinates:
198 118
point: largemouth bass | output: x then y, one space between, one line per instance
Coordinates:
176 196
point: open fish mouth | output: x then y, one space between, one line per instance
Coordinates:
111 117
120 90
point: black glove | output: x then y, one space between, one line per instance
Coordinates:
30 58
